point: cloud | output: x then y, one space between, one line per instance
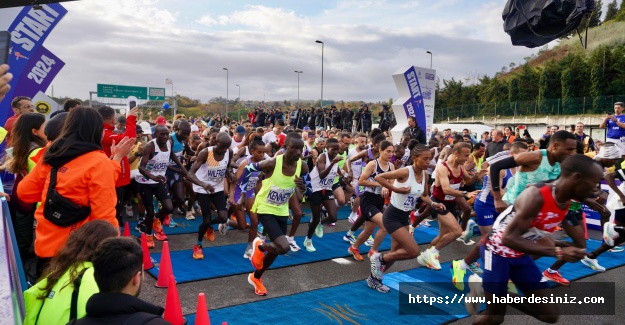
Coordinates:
140 43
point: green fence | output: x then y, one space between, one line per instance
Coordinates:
571 106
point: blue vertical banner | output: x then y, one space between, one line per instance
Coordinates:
29 30
414 106
416 88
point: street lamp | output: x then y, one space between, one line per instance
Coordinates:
227 77
322 46
169 81
239 92
430 53
298 72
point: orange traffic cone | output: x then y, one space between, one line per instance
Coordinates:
173 310
164 271
201 312
147 261
126 230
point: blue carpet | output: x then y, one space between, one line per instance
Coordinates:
191 226
228 260
355 303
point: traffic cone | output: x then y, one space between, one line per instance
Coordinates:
173 310
164 271
201 312
147 261
126 230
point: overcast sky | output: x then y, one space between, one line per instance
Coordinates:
262 43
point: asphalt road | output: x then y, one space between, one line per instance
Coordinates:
234 290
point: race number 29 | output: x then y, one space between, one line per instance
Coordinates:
41 69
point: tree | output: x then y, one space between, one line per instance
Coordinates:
595 19
611 12
568 89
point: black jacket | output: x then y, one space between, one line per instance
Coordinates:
416 133
493 148
116 308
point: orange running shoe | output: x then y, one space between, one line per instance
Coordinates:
157 225
355 253
197 252
167 220
556 277
259 288
257 256
210 234
150 240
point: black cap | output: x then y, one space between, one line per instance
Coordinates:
53 127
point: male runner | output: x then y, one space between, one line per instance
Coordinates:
152 182
355 170
283 178
522 231
179 146
208 174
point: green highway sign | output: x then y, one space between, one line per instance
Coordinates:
118 91
156 93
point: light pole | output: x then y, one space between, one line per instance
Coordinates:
239 92
322 46
430 53
298 72
227 77
169 81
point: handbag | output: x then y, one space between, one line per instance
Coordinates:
60 210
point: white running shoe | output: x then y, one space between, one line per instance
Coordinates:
293 244
369 241
593 264
475 284
352 217
248 253
189 215
609 233
223 228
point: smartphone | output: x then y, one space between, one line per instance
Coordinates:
133 104
5 45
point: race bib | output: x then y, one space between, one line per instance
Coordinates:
328 181
216 174
453 187
251 184
409 203
279 196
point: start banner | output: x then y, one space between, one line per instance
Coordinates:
416 87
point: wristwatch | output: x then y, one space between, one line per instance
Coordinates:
464 192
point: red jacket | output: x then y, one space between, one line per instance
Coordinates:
107 141
252 117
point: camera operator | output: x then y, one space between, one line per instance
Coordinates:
346 118
386 117
365 117
320 118
310 113
336 117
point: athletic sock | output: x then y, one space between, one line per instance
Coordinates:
552 271
350 233
433 250
463 265
257 274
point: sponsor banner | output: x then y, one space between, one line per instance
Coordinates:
39 72
29 30
416 87
45 105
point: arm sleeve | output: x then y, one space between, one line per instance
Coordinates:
497 167
308 183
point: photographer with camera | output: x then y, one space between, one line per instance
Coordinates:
336 117
320 117
365 116
386 118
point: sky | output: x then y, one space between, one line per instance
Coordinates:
263 43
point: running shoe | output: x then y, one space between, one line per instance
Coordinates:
159 234
309 245
150 240
433 261
167 220
423 259
293 244
371 252
609 233
425 223
476 291
197 252
290 215
376 267
189 215
349 238
140 227
257 256
223 228
355 253
476 268
210 234
593 264
512 287
319 231
556 277
369 241
558 228
157 225
260 230
376 284
172 223
262 237
352 217
332 224
248 253
617 249
457 274
259 288
129 210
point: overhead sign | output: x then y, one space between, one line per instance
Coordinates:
118 91
156 93
416 88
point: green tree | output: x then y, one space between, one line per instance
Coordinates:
612 11
595 19
598 84
568 89
513 95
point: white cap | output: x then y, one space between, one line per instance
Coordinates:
223 129
145 126
194 128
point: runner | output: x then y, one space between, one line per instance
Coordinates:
179 146
449 177
354 171
321 179
283 179
485 216
208 175
372 200
535 214
152 182
410 184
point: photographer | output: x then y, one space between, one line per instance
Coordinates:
336 117
320 118
293 117
310 113
386 118
346 118
366 119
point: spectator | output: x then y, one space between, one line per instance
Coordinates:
586 140
415 131
110 137
447 135
69 271
120 126
496 145
67 106
26 144
270 137
366 120
87 179
21 105
485 138
434 132
508 136
616 127
347 115
526 134
251 115
260 117
118 271
544 141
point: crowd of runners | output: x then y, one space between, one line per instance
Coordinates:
255 179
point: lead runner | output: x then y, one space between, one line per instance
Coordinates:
283 178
